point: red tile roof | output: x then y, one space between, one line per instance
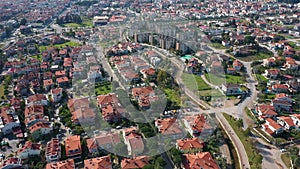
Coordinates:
138 162
53 147
66 164
72 143
98 163
200 160
168 126
189 143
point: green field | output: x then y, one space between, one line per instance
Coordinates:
194 82
293 45
221 79
38 57
86 22
286 160
261 78
257 56
255 159
2 91
60 46
217 46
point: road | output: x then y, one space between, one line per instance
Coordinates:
271 155
242 155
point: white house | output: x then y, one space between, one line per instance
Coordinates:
296 119
37 99
286 122
271 127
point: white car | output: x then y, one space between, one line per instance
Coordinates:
282 150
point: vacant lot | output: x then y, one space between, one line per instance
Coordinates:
60 46
194 82
220 79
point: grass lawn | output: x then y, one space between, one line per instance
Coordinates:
261 78
293 45
194 82
255 159
103 88
63 45
286 160
86 22
220 79
72 25
2 91
38 57
211 92
217 46
257 56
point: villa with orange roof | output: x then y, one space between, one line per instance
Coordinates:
271 127
11 163
110 107
280 88
37 99
266 110
189 144
197 124
8 120
137 162
73 147
29 149
98 163
83 116
74 104
169 126
53 150
133 140
56 94
286 122
66 164
48 84
62 81
40 129
200 160
34 114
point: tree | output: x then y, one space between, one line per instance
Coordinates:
278 38
23 21
249 40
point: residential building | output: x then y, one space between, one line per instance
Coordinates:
202 160
66 164
98 163
137 162
29 149
53 151
11 163
8 120
134 141
189 144
73 147
169 127
271 127
56 94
